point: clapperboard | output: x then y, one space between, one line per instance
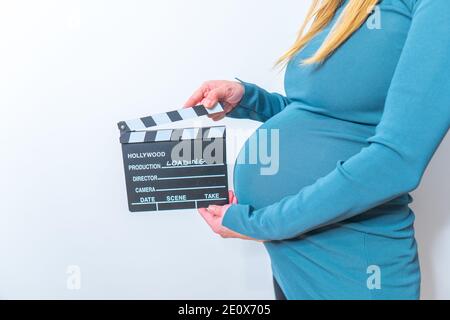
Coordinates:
171 169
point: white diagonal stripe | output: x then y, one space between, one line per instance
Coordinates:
163 135
136 137
187 113
136 124
161 118
216 109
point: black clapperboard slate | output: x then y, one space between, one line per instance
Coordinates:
155 181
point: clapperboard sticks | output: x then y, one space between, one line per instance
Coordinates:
157 181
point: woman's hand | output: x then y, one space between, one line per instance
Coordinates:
228 93
213 216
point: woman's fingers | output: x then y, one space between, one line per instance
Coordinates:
209 214
213 216
214 96
228 93
206 215
196 98
217 117
215 211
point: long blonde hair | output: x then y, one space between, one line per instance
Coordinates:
320 13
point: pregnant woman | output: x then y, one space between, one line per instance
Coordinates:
367 104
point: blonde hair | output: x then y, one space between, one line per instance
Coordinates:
320 13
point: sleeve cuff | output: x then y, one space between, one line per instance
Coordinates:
234 216
246 107
250 90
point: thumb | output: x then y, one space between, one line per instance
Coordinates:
214 96
214 210
206 215
232 197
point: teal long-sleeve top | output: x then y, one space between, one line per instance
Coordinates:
355 135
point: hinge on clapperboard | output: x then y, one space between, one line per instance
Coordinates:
155 181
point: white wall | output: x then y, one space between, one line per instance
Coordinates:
69 70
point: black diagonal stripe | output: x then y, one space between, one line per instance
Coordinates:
174 116
150 136
200 110
148 122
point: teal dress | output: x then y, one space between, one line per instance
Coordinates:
355 136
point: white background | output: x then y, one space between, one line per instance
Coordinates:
69 70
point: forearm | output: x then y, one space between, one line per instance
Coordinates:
375 176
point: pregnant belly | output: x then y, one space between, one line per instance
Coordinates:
308 147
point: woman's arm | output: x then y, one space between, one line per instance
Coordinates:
415 120
258 104
239 100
